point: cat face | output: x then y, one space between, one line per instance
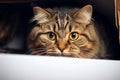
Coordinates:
64 32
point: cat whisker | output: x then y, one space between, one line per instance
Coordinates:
90 54
43 53
38 49
36 52
86 53
40 53
77 56
51 51
32 50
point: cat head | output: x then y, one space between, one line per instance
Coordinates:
63 31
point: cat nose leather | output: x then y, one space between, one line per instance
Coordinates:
61 48
62 45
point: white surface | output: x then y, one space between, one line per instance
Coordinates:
24 67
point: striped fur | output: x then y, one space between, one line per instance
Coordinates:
62 22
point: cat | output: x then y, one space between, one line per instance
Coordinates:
69 32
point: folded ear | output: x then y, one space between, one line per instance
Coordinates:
84 14
40 15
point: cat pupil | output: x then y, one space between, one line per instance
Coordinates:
51 35
73 35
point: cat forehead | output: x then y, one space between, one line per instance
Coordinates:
62 12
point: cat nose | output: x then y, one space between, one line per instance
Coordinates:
62 45
61 48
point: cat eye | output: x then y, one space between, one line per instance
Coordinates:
51 35
74 36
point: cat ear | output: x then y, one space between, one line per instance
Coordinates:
84 14
40 15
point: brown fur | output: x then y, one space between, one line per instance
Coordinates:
63 22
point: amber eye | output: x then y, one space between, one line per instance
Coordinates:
51 35
74 36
